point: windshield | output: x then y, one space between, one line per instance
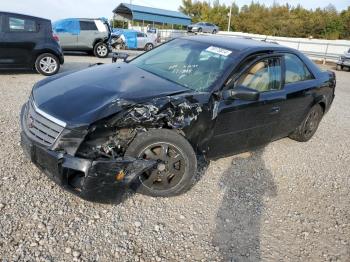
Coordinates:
188 63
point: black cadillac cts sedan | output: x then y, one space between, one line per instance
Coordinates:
142 124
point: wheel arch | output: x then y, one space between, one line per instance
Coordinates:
44 51
96 41
322 101
323 105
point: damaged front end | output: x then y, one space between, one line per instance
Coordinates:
92 162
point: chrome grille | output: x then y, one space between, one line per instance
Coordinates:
40 128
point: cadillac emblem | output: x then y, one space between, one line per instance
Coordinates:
30 122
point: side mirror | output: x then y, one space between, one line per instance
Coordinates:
241 92
117 56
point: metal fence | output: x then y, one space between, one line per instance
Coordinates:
325 50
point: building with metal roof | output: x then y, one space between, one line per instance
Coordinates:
129 12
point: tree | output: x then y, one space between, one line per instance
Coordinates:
277 20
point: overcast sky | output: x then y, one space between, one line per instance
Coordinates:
56 9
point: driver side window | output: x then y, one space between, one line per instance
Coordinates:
263 76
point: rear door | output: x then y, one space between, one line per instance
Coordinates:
299 84
20 36
88 33
67 31
141 40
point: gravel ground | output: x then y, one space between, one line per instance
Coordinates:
286 202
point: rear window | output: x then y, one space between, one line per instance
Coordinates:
88 26
296 70
17 24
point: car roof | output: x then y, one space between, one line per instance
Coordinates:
83 19
237 43
28 16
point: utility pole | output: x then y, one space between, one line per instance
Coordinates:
229 19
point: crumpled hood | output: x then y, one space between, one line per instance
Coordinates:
83 97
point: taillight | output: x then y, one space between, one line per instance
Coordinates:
54 36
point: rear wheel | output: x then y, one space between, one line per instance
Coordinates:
308 127
47 64
177 163
101 50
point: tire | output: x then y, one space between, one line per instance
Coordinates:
101 50
339 67
308 127
47 64
148 47
214 31
178 157
199 30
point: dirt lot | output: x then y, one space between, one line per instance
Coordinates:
287 202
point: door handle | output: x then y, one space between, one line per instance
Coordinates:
274 110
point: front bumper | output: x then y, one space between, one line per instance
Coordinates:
101 181
60 55
192 30
61 58
343 63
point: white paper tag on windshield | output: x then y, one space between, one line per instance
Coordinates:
219 51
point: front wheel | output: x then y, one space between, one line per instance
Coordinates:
101 50
308 127
177 163
148 47
47 64
214 31
339 68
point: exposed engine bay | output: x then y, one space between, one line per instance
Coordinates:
111 138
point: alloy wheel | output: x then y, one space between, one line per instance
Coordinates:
311 123
48 64
170 168
149 47
102 50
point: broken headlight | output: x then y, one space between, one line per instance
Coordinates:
69 141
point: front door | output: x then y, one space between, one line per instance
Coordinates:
242 125
2 43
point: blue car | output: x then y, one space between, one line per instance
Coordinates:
132 39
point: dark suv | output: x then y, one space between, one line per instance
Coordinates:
142 123
28 42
